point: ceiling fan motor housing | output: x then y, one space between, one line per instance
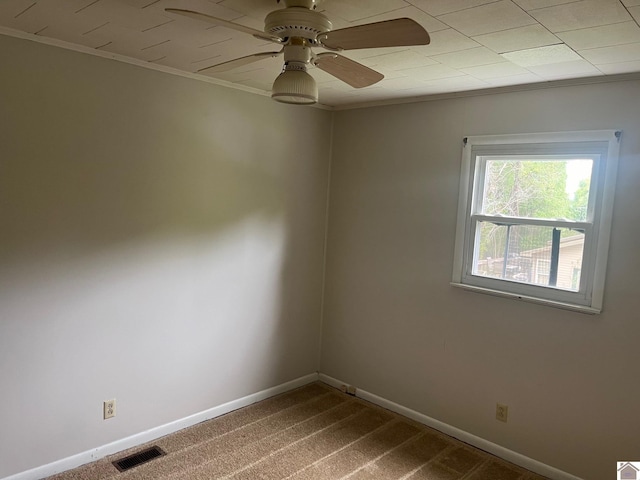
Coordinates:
310 4
297 22
297 52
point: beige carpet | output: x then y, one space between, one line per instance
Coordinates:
314 432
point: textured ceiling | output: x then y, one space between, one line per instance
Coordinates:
475 44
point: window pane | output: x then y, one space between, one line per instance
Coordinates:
523 253
549 189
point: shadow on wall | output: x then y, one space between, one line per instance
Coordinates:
89 191
148 220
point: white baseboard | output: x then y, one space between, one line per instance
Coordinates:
497 450
157 432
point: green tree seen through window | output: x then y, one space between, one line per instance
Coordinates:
529 189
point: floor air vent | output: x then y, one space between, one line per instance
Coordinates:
139 458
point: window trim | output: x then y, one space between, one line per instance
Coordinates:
589 299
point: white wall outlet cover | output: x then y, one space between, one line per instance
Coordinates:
109 408
502 412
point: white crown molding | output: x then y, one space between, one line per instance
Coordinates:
525 87
10 32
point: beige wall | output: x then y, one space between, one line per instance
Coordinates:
161 242
395 327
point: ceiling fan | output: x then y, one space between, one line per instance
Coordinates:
297 28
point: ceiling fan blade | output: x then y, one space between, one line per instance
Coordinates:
223 23
238 62
390 33
345 69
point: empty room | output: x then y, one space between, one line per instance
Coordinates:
416 221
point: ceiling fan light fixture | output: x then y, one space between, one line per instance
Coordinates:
295 86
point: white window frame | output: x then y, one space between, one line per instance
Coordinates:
604 146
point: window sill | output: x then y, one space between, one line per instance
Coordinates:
524 298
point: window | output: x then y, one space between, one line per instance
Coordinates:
534 216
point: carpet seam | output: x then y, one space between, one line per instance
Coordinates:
475 469
431 460
271 454
335 452
245 426
274 434
414 438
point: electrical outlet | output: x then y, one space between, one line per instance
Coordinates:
348 389
109 408
502 412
